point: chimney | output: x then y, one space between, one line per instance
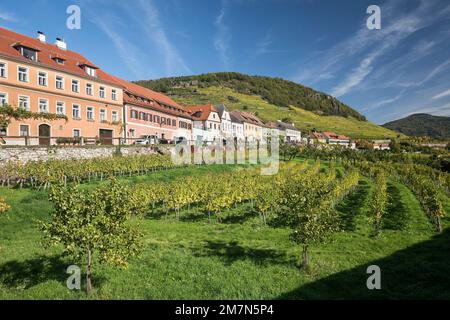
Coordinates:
41 36
61 44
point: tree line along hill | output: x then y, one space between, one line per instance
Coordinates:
422 124
270 99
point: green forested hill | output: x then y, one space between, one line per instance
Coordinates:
270 99
422 124
276 91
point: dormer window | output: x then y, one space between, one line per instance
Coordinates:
90 71
59 61
27 49
29 53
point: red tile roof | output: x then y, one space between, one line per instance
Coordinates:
201 113
332 135
248 117
46 55
144 97
73 63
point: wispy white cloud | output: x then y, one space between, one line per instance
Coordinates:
442 94
369 46
442 110
264 44
126 50
155 31
223 36
8 16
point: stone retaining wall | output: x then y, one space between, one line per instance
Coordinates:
25 154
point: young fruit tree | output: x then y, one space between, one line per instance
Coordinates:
94 225
379 201
308 210
3 205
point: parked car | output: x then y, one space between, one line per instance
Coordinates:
164 141
147 139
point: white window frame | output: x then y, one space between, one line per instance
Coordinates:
114 116
27 74
26 125
102 92
87 113
5 68
47 105
6 99
114 94
79 111
89 86
39 78
77 85
90 71
28 101
63 106
73 133
62 81
105 114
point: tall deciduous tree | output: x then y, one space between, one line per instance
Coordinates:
94 225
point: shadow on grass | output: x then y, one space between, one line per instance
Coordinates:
421 271
232 251
352 206
32 272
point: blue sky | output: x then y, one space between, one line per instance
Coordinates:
385 74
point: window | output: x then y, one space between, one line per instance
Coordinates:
42 79
75 86
102 92
150 118
3 70
3 99
3 131
90 113
156 119
174 122
59 61
163 120
90 71
89 89
76 111
141 116
132 132
114 94
115 116
102 115
134 114
76 133
23 74
29 53
23 130
43 105
24 102
60 82
60 108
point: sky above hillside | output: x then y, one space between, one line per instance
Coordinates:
385 74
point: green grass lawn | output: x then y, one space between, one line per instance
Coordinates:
238 258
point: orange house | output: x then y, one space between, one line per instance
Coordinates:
149 113
42 77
